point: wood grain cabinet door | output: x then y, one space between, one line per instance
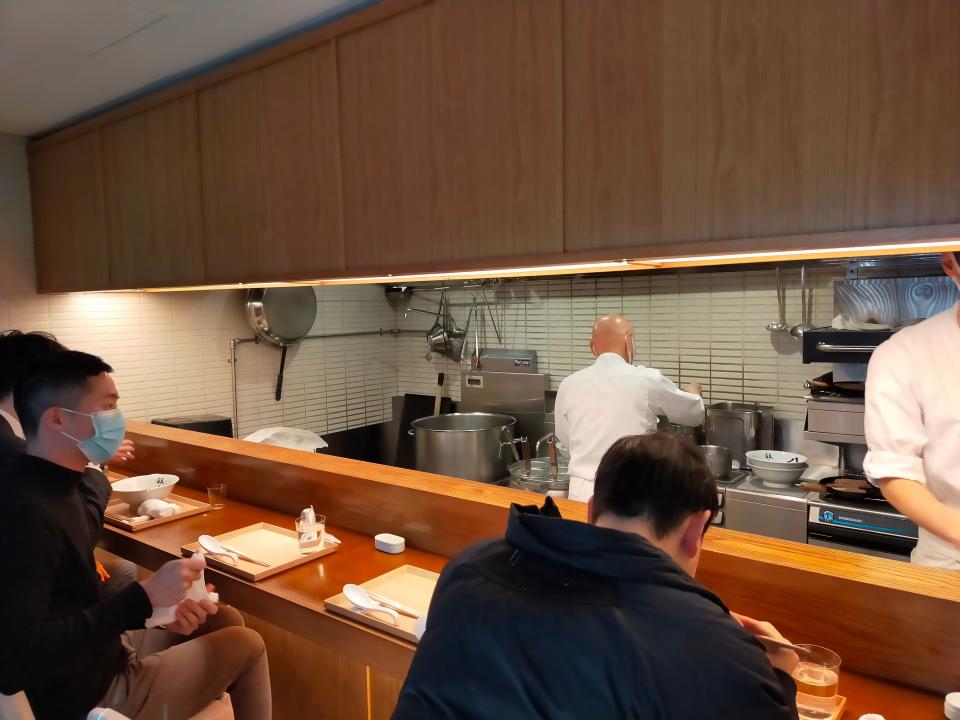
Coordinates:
152 189
66 183
271 171
451 135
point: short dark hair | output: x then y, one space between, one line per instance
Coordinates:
21 351
60 381
660 477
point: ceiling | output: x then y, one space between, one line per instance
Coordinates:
60 59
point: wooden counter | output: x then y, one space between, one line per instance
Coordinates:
886 619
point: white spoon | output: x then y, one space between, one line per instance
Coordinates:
212 545
360 599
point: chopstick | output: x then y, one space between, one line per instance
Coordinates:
773 644
402 609
245 557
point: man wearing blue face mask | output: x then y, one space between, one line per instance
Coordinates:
67 644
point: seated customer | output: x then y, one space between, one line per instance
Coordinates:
70 646
600 620
19 353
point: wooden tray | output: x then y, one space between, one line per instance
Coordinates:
275 545
407 585
118 513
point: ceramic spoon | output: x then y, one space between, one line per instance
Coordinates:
214 547
360 599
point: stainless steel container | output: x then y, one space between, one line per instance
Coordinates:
472 446
539 478
687 431
719 460
742 427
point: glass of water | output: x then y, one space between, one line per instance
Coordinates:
818 679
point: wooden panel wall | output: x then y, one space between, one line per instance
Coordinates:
452 133
152 188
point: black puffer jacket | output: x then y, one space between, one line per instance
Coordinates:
567 620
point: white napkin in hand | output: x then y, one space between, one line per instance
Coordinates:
157 508
198 591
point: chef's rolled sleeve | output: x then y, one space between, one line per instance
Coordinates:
679 406
893 420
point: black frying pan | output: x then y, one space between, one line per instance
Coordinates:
844 489
282 316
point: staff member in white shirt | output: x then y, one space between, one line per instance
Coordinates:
912 424
611 399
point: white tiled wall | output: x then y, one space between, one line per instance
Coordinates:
170 350
709 327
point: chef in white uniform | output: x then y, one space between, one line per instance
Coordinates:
912 424
613 398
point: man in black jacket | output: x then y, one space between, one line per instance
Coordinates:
564 619
68 644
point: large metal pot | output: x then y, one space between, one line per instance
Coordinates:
472 446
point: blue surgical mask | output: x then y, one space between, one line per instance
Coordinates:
109 427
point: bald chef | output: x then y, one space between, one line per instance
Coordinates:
613 398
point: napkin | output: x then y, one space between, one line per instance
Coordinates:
157 508
198 591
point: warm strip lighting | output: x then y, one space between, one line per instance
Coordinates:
817 253
606 266
952 244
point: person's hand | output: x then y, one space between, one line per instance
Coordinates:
693 388
192 614
780 658
169 585
123 454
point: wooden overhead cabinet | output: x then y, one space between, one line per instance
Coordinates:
69 226
451 135
701 121
152 191
271 171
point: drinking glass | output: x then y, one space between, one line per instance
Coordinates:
216 495
311 535
818 677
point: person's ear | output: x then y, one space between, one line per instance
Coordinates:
53 419
949 263
692 539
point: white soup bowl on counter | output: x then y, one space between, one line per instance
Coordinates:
134 490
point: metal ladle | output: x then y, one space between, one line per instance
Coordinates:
798 330
781 324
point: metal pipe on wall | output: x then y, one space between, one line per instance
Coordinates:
234 342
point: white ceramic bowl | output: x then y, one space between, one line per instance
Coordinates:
775 459
773 476
134 490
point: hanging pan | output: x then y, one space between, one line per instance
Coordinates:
282 316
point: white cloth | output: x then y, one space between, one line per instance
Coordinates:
609 400
14 422
198 591
912 419
157 508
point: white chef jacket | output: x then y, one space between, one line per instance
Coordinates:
609 400
912 419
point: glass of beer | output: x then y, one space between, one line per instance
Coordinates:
818 678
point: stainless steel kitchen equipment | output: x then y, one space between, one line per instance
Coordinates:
742 427
875 528
719 460
800 328
470 445
775 512
692 433
866 525
282 316
507 383
869 311
539 478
